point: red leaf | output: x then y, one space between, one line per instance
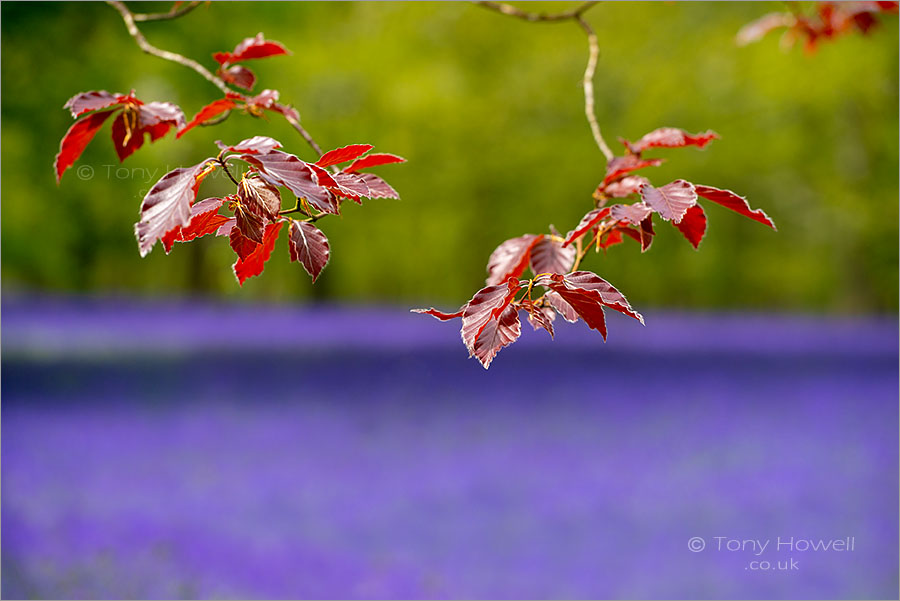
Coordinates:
613 237
736 203
489 322
239 76
205 219
511 258
439 314
86 102
760 27
625 187
587 223
287 170
588 293
561 306
672 200
76 140
254 145
671 137
633 213
352 186
619 166
373 160
341 155
209 111
249 48
538 317
309 246
378 188
155 113
167 205
255 262
241 244
693 225
550 256
260 198
250 225
126 140
647 233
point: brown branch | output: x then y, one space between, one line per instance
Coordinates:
172 14
588 84
511 11
593 53
129 18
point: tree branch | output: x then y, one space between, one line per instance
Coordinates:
129 18
511 11
588 84
172 14
593 53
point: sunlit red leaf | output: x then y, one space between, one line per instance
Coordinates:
76 140
287 170
588 222
672 200
612 237
254 263
260 198
209 111
588 293
439 314
249 48
373 160
561 306
205 219
86 102
126 139
511 258
167 205
620 166
538 317
241 244
378 188
254 145
671 137
341 155
626 186
693 225
250 224
489 322
646 232
550 256
738 204
239 76
352 186
309 246
634 213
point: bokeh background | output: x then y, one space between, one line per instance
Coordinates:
169 434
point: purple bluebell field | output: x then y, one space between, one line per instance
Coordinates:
197 450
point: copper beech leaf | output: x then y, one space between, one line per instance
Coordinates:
213 109
309 246
86 102
286 170
205 219
633 213
561 306
250 48
342 155
587 223
738 204
620 166
628 185
672 200
251 225
378 188
646 232
259 197
489 322
254 145
167 205
588 293
510 259
76 140
239 76
241 244
671 137
538 316
693 225
373 160
254 263
550 256
439 314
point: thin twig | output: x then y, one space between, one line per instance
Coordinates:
147 47
593 54
172 14
511 11
588 84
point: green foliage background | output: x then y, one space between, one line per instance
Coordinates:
489 112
